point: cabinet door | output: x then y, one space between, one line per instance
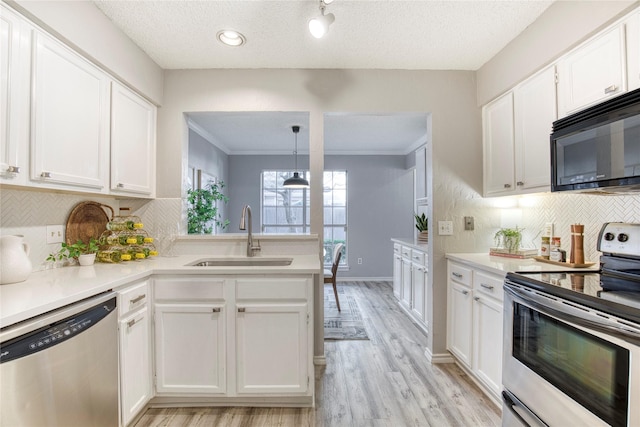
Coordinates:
498 144
272 348
133 122
459 328
633 51
417 296
406 282
135 364
397 276
534 112
70 118
14 96
487 342
190 348
592 73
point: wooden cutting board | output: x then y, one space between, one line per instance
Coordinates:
87 220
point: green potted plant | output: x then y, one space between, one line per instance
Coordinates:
509 239
202 209
84 253
422 224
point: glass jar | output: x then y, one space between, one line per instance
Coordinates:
545 247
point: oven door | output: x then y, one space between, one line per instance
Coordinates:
567 364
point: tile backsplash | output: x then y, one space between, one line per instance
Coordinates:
27 213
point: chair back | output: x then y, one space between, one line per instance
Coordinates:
337 253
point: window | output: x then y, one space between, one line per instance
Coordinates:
287 210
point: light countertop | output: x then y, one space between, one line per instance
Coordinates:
503 265
413 243
51 289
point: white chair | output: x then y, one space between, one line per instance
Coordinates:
330 275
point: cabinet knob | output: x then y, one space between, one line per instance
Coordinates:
120 185
476 298
507 186
458 275
520 183
217 310
45 175
241 309
610 89
465 292
13 169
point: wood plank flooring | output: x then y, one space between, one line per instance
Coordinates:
383 382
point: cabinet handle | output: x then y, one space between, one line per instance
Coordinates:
465 292
120 185
138 298
507 186
458 275
484 285
13 169
241 309
520 183
45 175
132 322
476 298
610 89
217 310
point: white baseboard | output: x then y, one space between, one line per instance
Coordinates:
363 279
438 358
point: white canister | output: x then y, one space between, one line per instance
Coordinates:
15 265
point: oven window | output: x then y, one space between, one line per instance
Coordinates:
590 370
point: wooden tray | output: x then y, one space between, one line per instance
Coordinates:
564 264
87 220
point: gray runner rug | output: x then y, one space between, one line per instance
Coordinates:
342 325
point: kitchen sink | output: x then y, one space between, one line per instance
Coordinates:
241 262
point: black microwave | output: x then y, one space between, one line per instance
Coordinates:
598 149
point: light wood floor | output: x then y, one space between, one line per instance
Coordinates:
384 381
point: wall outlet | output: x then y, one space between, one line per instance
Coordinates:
468 223
55 233
548 229
359 260
445 228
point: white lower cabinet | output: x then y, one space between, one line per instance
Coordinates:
135 350
232 336
410 283
474 329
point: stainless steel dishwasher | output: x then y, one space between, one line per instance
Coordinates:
61 368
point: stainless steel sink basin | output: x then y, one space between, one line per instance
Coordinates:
241 262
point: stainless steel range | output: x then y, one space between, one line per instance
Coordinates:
572 340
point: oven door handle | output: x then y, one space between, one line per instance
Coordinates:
579 316
520 411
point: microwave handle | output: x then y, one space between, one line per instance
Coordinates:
589 320
521 412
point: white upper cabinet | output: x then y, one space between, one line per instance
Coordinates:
535 111
133 124
592 73
14 99
498 143
70 119
632 26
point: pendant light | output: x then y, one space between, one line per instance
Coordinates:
296 181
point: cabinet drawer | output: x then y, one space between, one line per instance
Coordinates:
271 289
460 274
189 289
488 284
133 297
406 252
417 257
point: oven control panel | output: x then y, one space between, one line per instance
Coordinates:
620 238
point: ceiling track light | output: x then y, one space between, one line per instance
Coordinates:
296 181
319 26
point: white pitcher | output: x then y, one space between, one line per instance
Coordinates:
15 265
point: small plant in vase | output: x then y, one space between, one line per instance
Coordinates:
84 253
422 224
509 239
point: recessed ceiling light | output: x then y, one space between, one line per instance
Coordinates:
231 38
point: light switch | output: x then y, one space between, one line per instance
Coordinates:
468 223
55 233
445 228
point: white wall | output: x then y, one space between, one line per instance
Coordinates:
82 25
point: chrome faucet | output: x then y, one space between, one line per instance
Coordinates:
251 250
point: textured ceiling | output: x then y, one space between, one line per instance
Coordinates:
366 34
